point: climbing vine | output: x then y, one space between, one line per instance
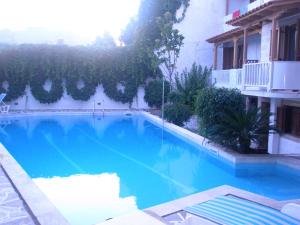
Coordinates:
13 72
126 71
48 69
44 69
46 96
81 75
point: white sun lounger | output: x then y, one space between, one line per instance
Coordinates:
4 108
231 210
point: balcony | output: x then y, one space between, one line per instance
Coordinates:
243 10
256 76
285 76
271 77
227 78
257 4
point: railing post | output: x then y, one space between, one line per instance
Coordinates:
243 77
270 82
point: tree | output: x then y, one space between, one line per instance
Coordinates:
167 47
105 41
144 25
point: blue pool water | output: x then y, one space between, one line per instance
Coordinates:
94 168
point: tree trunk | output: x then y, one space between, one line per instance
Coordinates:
244 145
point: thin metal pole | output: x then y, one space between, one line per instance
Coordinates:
94 108
163 88
163 101
103 108
26 103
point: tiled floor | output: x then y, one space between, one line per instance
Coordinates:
12 208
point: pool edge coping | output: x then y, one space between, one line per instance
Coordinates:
40 207
229 155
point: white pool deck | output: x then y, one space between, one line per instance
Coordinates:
12 208
32 200
22 202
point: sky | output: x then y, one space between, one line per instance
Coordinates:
84 19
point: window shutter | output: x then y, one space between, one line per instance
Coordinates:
276 46
276 58
296 121
280 120
281 44
298 41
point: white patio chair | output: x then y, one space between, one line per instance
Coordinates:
4 108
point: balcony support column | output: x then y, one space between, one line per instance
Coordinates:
259 102
274 40
245 50
274 138
235 53
215 67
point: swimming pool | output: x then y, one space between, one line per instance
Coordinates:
93 167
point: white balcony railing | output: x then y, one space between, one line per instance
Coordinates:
245 9
227 78
256 4
257 75
221 78
239 76
285 75
264 76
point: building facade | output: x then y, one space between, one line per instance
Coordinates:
200 16
258 52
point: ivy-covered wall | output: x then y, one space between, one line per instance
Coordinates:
53 72
98 102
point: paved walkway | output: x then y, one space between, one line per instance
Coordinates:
12 208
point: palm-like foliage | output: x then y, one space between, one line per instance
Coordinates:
238 129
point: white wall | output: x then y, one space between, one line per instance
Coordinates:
289 145
66 102
204 19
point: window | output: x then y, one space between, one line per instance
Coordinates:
289 42
227 58
288 120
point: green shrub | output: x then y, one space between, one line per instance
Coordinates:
177 113
188 84
212 102
153 93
